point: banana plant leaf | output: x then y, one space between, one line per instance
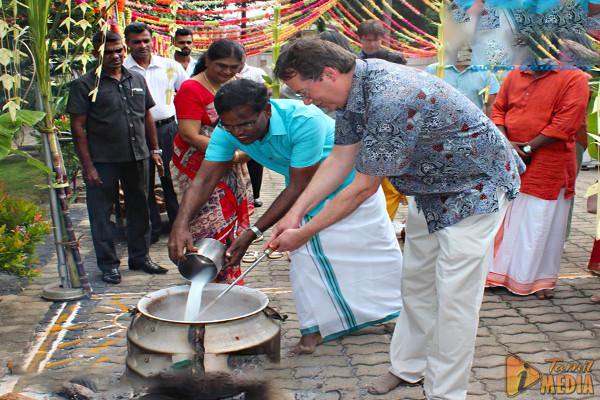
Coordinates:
8 128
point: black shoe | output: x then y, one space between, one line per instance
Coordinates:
257 203
147 266
111 276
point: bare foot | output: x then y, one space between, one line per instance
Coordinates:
595 298
307 344
544 294
549 293
384 383
540 294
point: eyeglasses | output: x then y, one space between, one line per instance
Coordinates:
305 93
242 127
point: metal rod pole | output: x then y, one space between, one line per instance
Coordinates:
56 219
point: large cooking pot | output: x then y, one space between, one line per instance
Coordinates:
159 338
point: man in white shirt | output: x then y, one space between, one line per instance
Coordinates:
164 77
184 41
253 73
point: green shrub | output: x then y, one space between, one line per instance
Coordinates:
22 228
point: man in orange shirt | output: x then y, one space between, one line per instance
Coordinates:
539 109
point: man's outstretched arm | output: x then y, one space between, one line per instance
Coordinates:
200 190
299 179
330 175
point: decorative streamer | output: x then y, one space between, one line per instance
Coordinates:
207 25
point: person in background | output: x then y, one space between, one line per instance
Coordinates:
115 139
184 41
470 80
227 212
254 169
539 111
337 38
370 34
337 288
163 77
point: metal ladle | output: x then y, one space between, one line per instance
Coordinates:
267 252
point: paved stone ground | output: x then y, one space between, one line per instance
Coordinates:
43 344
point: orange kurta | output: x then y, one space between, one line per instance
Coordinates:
555 105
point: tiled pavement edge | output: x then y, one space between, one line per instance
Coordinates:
45 343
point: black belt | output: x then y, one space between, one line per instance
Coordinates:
163 122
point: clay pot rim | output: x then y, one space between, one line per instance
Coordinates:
149 298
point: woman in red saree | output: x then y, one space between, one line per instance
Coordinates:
228 211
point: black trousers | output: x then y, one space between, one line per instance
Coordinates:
165 135
100 200
255 170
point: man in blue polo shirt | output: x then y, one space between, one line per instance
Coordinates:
471 80
345 278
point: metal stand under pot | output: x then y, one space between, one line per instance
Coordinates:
159 340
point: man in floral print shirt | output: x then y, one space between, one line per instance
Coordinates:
434 144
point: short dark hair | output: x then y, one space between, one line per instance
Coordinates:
389 56
337 38
183 32
370 27
308 56
235 94
219 49
111 36
137 27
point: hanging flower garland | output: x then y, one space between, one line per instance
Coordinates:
164 16
405 35
202 13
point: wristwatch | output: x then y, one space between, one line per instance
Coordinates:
527 149
159 151
256 231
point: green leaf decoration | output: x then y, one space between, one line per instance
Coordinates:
36 163
5 56
8 127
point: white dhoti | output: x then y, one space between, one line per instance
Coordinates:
443 278
528 258
347 276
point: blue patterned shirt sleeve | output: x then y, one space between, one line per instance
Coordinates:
429 140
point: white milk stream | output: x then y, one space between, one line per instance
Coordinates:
194 301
